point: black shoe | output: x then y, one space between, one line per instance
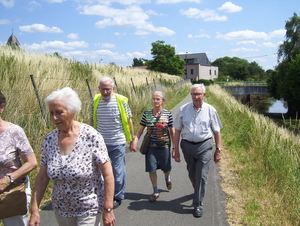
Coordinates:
197 212
117 203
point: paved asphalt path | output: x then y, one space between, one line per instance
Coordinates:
174 207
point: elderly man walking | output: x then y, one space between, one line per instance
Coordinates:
111 116
197 122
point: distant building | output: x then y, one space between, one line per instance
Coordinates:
197 66
13 41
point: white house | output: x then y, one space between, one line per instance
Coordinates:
198 66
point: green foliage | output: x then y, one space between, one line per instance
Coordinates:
204 81
137 62
290 47
285 80
239 69
164 59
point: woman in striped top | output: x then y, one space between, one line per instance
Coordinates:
159 122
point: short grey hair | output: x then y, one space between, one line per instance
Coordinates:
195 86
68 97
160 93
107 79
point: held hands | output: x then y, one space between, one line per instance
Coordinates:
133 145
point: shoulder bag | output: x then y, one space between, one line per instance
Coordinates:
13 201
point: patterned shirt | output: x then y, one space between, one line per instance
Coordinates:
197 126
160 136
109 122
78 183
13 145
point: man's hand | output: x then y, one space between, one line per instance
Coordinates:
176 154
217 156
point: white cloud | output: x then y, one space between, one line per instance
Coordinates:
106 45
243 35
207 14
34 4
4 21
269 44
8 3
278 33
132 16
73 36
229 7
119 34
201 34
244 50
39 28
246 43
106 55
152 12
55 46
176 1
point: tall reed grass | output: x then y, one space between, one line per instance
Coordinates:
266 160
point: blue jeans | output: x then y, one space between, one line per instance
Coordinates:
117 156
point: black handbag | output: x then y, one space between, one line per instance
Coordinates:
145 144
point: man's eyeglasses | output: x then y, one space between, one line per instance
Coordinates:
196 94
105 89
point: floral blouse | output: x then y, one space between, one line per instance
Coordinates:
13 145
160 136
78 183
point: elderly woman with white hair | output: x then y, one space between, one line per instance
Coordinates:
159 123
75 157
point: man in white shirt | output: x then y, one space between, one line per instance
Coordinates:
197 122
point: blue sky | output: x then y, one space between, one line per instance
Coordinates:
118 30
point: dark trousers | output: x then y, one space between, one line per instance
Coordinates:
198 157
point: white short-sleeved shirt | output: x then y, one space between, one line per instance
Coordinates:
197 126
78 183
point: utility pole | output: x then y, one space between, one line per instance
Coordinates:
186 65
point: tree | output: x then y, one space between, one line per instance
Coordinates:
239 69
285 81
137 62
165 60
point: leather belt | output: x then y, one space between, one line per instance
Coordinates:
192 142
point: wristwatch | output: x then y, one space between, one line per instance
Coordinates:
11 179
219 149
108 209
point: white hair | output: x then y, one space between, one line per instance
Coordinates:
107 79
160 93
68 97
195 86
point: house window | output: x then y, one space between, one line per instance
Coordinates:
215 72
209 72
190 61
192 71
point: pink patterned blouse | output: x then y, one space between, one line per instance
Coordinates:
13 145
